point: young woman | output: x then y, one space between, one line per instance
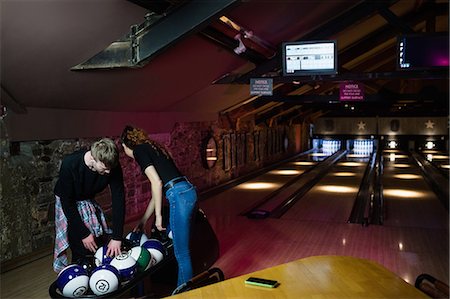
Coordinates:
164 176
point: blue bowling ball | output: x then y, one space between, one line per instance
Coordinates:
73 281
136 238
100 256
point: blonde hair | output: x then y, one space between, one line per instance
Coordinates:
105 151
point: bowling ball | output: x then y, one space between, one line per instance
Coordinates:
136 238
143 257
104 279
126 265
100 256
156 249
73 281
87 263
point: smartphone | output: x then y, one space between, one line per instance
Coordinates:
268 283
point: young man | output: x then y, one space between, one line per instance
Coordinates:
79 220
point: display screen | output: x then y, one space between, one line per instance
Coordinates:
422 51
305 58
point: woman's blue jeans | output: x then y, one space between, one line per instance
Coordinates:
182 198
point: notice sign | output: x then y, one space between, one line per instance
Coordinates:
351 91
261 86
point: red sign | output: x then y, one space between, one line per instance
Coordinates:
351 91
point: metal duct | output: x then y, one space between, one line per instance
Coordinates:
156 33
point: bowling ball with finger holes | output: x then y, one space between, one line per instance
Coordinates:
143 258
126 265
100 256
104 279
73 281
136 238
87 263
156 249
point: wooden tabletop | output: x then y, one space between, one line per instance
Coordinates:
315 277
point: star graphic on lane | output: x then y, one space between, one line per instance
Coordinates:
361 125
429 124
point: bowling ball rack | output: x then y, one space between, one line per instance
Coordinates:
161 279
157 281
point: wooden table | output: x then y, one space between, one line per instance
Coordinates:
315 277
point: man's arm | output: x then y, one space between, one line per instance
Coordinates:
118 211
68 202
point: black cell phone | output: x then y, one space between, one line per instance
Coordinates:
268 283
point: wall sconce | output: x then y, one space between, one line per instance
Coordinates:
392 144
209 152
430 145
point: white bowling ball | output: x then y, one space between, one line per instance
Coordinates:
104 279
156 249
143 257
126 265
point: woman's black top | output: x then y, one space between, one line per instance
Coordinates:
77 182
146 155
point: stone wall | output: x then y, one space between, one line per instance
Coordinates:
29 171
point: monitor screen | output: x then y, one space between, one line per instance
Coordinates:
422 51
306 58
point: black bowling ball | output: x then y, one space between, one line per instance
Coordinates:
127 244
88 263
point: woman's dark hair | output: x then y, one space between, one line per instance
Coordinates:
132 136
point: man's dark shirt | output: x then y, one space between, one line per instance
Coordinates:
77 182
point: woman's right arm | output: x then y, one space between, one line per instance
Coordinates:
155 203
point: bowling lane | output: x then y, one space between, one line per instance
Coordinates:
249 194
409 200
332 198
439 159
